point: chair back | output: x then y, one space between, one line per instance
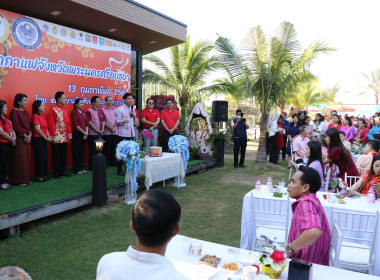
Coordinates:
358 229
291 158
336 242
272 214
362 170
327 179
350 180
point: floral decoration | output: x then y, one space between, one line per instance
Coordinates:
179 145
129 152
148 134
339 186
272 259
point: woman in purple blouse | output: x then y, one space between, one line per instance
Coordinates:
349 129
314 154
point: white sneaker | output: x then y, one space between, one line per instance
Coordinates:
84 171
79 172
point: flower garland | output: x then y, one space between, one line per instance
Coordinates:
129 152
179 145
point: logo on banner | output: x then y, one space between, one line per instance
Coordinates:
108 43
101 41
72 34
63 32
26 33
80 36
88 38
45 28
94 39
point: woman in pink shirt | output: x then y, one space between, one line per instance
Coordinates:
348 129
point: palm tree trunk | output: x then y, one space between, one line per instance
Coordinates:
261 156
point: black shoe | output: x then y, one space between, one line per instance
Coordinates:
288 167
235 166
66 175
242 166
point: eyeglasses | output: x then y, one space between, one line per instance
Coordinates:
150 102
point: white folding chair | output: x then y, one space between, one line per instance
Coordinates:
358 239
327 179
336 242
350 180
362 171
292 159
270 218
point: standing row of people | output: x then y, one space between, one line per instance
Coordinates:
59 128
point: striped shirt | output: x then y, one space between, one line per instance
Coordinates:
308 213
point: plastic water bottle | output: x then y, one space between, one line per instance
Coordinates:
371 197
258 186
269 182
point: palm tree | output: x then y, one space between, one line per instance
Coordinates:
310 94
269 68
186 71
374 83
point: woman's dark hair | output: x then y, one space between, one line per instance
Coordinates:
343 133
322 139
76 102
335 142
375 144
18 98
35 106
370 173
320 117
149 99
58 95
315 152
339 121
362 120
307 117
310 176
2 104
298 118
349 121
154 222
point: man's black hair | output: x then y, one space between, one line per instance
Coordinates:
375 144
238 110
93 99
58 95
169 99
125 96
154 217
310 176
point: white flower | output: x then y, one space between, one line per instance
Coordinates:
268 261
268 250
276 267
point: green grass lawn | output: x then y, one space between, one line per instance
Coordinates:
69 247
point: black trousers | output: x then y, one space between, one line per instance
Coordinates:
273 155
5 156
240 145
109 149
41 159
165 139
78 148
92 148
59 158
120 162
267 144
284 148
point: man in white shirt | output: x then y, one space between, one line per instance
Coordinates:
155 221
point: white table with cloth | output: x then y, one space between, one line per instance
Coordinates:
355 205
189 265
156 169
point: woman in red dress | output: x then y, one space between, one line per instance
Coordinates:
21 166
335 122
339 155
361 133
280 133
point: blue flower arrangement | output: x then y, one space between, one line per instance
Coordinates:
129 152
179 145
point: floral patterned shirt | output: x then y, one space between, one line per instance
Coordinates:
59 124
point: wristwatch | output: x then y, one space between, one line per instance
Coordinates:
289 248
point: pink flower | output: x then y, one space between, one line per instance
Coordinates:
277 256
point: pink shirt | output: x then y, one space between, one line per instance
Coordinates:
97 118
110 114
299 145
308 213
350 132
125 129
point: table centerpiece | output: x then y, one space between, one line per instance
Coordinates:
272 260
339 186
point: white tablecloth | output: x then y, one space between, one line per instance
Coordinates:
189 266
156 169
357 205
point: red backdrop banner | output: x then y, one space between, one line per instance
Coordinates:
39 58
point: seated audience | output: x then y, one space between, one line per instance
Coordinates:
300 144
308 127
371 177
346 144
361 133
155 224
349 130
314 154
339 155
374 129
309 235
335 122
364 161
